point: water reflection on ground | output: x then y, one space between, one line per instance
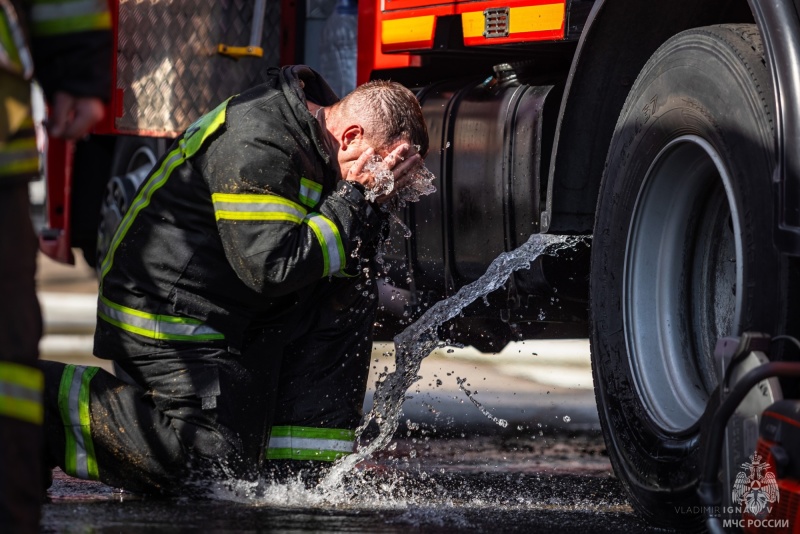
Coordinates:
507 483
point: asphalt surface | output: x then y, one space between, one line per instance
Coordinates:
489 484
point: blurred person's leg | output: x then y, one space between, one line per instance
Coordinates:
21 479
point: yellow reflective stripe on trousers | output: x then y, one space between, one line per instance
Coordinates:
331 242
68 16
19 156
310 192
309 443
253 207
21 389
73 405
193 139
155 326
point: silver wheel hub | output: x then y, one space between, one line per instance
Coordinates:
683 266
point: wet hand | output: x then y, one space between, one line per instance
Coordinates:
401 162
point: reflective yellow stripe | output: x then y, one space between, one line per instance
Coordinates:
309 443
193 139
407 30
142 199
252 207
520 19
333 258
155 326
203 128
28 165
21 392
73 405
20 155
310 192
26 144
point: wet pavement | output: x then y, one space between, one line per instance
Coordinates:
450 467
502 483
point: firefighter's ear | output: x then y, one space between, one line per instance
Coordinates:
351 136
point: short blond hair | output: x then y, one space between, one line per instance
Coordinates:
388 112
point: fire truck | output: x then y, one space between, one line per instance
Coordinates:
667 132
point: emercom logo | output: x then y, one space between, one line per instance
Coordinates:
756 488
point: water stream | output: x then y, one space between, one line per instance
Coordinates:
419 339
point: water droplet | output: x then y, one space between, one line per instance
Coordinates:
567 419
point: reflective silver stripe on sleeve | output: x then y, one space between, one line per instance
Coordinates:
310 192
328 236
312 444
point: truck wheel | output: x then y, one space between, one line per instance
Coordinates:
133 159
682 255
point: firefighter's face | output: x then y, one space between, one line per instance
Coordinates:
346 140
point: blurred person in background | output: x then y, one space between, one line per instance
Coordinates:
65 45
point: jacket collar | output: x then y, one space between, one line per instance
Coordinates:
301 83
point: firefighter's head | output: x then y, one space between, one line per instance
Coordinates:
380 115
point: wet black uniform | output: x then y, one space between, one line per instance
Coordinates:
234 297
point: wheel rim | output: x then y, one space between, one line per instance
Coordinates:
683 266
142 156
120 192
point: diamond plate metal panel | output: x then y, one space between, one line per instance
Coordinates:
167 62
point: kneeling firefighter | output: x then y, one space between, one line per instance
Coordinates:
237 293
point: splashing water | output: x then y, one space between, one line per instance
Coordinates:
418 340
418 184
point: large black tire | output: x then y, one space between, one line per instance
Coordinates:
682 255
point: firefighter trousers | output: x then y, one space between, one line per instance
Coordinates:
193 412
21 482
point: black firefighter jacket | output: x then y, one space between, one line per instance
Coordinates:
243 213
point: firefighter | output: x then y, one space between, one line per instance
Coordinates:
238 293
69 42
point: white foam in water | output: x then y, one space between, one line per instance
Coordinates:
419 339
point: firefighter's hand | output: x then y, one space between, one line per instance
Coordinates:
73 117
401 161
